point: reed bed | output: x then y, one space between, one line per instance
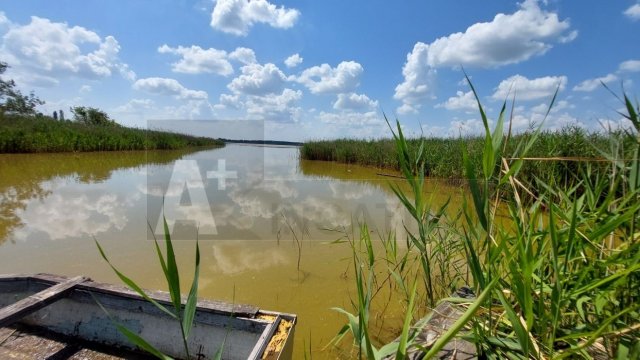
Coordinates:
32 134
561 279
443 156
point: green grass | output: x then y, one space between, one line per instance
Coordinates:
557 277
443 156
31 134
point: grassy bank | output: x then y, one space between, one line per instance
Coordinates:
559 279
31 134
443 156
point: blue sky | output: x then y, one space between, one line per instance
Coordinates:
325 69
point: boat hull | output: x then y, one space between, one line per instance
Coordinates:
245 331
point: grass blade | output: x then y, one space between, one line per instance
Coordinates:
131 336
462 320
192 300
132 285
173 277
404 336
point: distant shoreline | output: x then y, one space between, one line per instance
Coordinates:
262 142
43 134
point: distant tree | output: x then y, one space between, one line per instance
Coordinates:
91 116
55 115
12 100
61 115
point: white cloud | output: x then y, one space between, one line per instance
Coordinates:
238 16
228 101
629 66
293 60
85 89
325 79
529 89
633 12
243 55
351 118
417 80
192 109
507 39
135 106
557 106
353 101
466 127
608 125
592 84
531 118
44 52
257 79
196 60
170 87
462 101
4 21
275 107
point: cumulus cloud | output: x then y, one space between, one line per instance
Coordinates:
462 101
43 52
417 80
507 39
135 106
238 16
592 84
229 101
629 66
529 89
196 60
168 87
325 79
243 55
293 60
275 107
257 79
633 12
466 127
4 21
351 118
356 102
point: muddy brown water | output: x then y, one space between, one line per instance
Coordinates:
266 222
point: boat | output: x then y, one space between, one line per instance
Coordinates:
48 316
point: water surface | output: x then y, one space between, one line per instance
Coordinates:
265 234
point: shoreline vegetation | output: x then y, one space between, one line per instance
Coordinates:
559 279
38 134
554 157
25 130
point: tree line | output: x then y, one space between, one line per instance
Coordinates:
13 102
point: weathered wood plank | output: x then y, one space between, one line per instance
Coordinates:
204 305
436 323
16 311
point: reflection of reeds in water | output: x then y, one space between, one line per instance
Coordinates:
559 279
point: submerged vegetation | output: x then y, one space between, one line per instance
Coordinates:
30 134
559 279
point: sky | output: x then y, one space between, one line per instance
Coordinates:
312 69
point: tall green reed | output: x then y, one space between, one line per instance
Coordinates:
182 314
560 276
